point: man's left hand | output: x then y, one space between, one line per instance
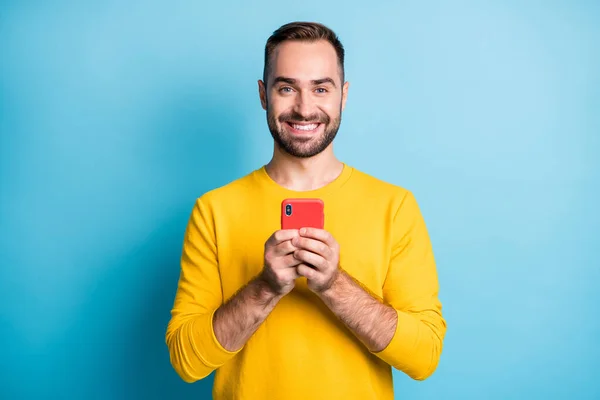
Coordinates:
320 254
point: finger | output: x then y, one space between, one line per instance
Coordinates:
318 234
312 245
290 274
284 248
311 258
306 271
289 261
282 235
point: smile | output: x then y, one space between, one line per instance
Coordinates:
303 128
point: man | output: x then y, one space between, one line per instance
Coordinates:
309 313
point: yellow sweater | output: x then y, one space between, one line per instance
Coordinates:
302 351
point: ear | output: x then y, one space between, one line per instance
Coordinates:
262 92
345 94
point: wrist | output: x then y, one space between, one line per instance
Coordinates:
264 290
334 288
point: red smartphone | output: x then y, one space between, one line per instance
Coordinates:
302 213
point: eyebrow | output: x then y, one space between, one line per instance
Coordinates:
315 82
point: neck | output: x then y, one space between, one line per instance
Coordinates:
302 174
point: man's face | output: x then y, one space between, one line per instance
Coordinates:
304 97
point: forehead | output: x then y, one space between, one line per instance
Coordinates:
305 61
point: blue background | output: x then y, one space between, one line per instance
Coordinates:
115 116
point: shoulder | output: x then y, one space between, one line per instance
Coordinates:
377 192
231 192
399 202
376 187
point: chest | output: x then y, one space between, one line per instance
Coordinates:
363 234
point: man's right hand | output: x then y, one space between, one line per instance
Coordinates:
236 321
279 270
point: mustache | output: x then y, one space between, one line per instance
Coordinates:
296 117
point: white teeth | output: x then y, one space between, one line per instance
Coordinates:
305 127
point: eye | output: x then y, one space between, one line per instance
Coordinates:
321 90
285 89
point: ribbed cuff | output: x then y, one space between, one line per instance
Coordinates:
401 348
206 345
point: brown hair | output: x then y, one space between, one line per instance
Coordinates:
303 31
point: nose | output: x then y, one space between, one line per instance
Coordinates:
303 106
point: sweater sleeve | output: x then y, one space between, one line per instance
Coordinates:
193 347
411 288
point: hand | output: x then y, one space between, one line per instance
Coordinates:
319 254
279 270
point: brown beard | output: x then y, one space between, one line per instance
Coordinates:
303 148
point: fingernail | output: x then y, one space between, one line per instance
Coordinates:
302 231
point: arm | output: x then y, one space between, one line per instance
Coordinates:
411 288
411 292
203 333
405 328
237 320
371 321
193 346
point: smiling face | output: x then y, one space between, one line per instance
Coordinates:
304 97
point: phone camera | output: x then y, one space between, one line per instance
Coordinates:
288 209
